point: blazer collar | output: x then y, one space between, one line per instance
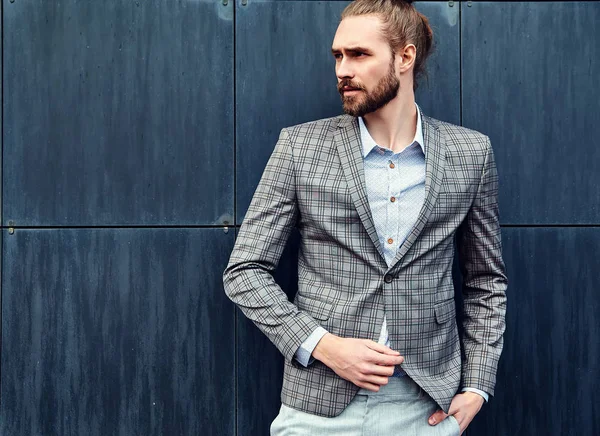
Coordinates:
435 163
347 140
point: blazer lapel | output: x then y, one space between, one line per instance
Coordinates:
347 139
435 160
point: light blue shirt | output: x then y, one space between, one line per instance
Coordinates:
395 185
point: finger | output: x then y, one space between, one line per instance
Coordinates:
380 348
369 386
437 417
380 358
455 405
386 360
375 380
387 371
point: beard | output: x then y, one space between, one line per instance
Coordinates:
366 102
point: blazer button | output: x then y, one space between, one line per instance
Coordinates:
388 278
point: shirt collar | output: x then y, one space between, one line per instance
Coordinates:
368 143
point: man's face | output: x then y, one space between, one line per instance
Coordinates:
365 65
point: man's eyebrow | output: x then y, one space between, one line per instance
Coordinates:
351 49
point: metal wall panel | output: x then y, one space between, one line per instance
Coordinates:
285 75
439 93
118 112
117 332
530 75
1 112
549 377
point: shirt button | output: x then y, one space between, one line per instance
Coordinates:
392 166
388 278
393 199
390 241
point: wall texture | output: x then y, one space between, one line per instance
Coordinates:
134 133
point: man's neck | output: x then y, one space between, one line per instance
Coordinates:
394 125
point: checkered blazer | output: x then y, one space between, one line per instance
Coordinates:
314 181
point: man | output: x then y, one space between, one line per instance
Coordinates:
379 195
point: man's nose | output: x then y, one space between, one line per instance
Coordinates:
344 70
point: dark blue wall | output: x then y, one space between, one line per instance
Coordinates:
133 136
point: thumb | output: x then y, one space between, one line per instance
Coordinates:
437 417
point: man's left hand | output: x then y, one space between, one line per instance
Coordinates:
464 407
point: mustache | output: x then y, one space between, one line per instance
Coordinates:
347 83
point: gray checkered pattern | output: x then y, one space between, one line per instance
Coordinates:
315 181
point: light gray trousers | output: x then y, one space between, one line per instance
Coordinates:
400 408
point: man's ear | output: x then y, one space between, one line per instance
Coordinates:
405 58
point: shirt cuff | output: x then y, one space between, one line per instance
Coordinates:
485 396
304 353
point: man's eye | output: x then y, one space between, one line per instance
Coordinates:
337 56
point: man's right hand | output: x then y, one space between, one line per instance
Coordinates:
365 363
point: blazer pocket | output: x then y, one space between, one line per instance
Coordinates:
444 311
317 308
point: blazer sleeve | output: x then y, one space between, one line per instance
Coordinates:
484 282
248 279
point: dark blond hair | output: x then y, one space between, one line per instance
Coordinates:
402 25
